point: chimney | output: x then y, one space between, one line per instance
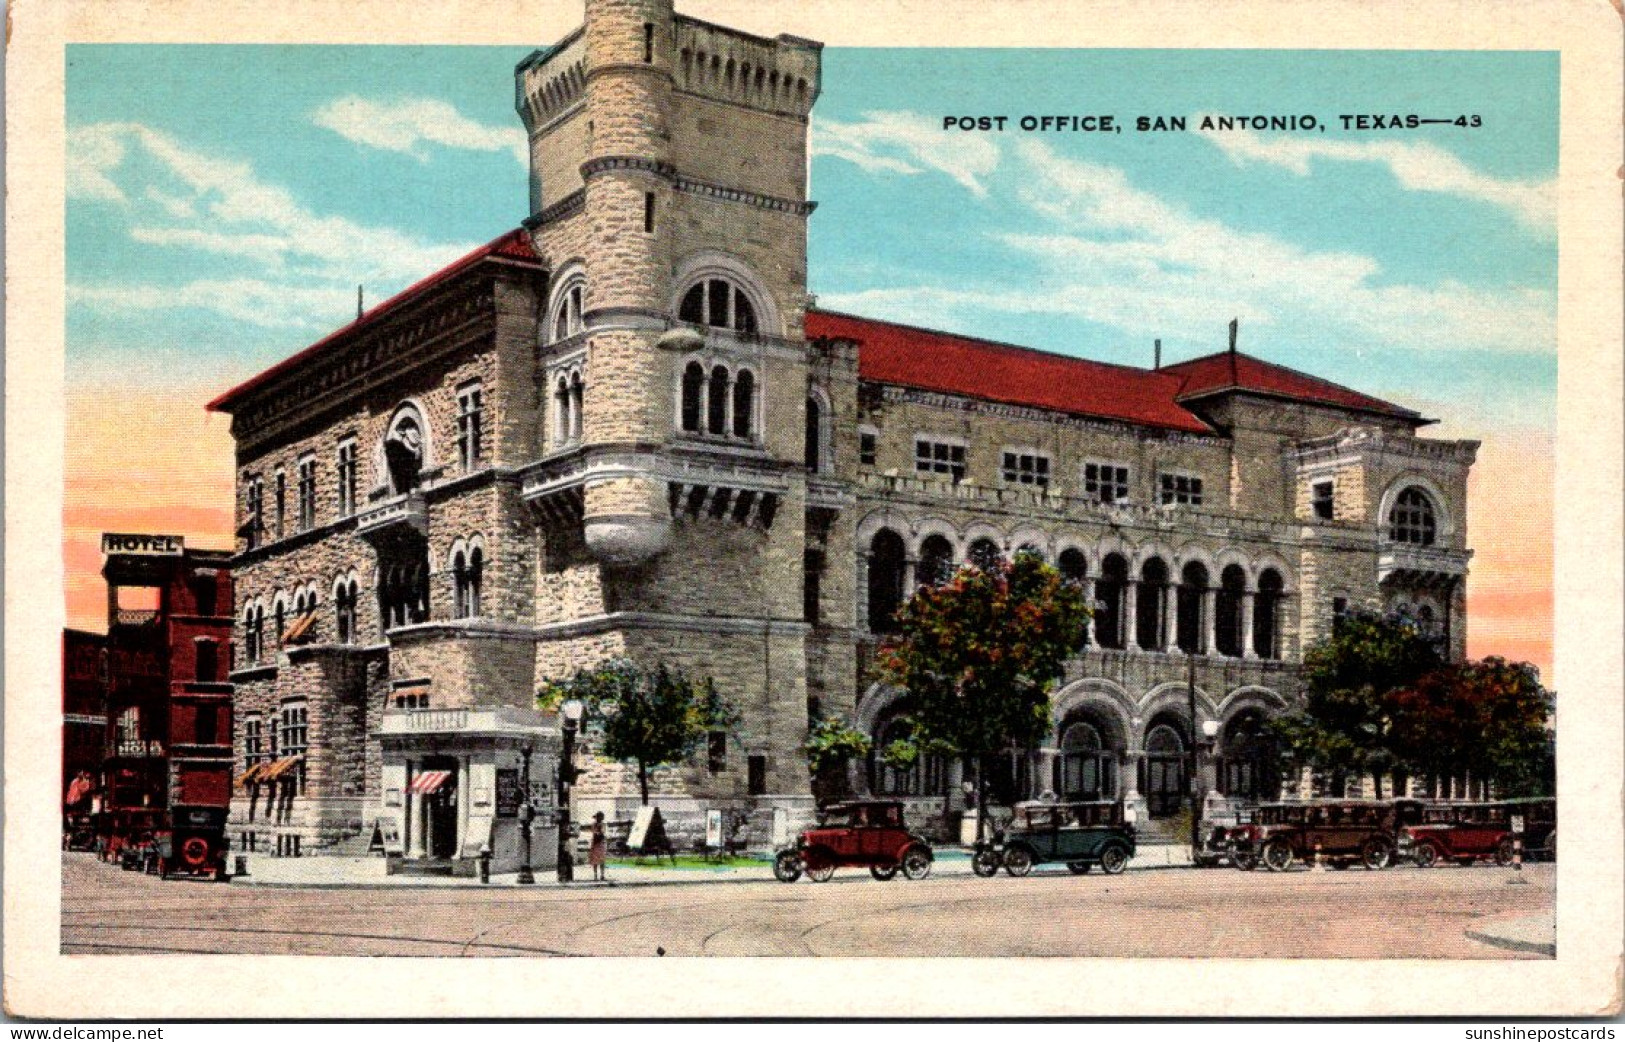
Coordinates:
1156 354
1233 324
358 302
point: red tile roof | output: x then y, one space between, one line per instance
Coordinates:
951 364
514 245
1222 372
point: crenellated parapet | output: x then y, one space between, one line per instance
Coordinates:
550 83
777 75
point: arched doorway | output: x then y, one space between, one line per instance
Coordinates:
926 776
886 558
1164 785
1249 765
1086 769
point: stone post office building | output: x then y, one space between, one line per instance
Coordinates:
623 429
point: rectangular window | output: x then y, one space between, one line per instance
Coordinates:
470 409
347 477
868 448
254 524
1025 467
648 42
1323 501
206 661
648 212
812 578
939 457
295 727
307 493
1105 482
756 775
1340 610
1181 489
717 751
253 737
281 502
206 730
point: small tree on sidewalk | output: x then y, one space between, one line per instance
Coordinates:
979 655
649 718
832 743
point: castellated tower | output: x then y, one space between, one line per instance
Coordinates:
668 196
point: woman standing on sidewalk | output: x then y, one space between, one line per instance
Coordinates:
596 851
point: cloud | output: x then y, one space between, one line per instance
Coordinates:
254 301
178 197
908 143
407 125
1115 254
1417 166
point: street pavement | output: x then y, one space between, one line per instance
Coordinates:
1448 912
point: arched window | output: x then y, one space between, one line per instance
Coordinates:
1192 585
718 303
886 559
1032 550
812 445
1266 614
936 561
344 604
693 397
467 568
567 312
1109 599
1249 767
1149 610
984 554
1232 587
1086 770
1073 564
1425 623
744 403
578 393
1411 519
254 633
405 451
1164 786
716 420
279 612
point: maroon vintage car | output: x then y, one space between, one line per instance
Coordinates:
867 833
1463 833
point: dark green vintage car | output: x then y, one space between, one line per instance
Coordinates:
1082 835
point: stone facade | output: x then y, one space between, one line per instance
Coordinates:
622 431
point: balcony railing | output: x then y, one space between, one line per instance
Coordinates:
135 616
405 511
451 721
138 749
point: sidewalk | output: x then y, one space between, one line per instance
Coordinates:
1523 933
368 872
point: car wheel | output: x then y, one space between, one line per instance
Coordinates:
883 872
787 866
1018 861
916 863
1426 856
1245 862
985 863
1504 853
1113 860
1277 855
1079 868
1377 854
821 872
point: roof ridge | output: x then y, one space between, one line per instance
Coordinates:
1284 368
1001 344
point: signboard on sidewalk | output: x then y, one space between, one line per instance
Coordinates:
713 828
640 828
509 794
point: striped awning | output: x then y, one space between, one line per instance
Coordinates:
428 781
300 628
252 775
277 769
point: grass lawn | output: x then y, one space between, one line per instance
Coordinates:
685 861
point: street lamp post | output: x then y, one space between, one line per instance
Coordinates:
1209 731
569 719
527 812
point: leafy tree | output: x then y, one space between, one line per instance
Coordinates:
1488 717
649 718
1346 724
832 742
980 653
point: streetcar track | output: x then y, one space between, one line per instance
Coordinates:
256 930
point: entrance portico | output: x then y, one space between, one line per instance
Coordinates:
453 783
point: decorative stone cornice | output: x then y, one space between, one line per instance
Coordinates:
568 206
694 186
605 164
977 406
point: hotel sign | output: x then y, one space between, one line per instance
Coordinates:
143 545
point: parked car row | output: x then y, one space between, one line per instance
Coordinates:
1381 833
1377 834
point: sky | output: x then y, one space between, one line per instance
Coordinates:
224 203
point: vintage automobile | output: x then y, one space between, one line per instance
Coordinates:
1461 832
1081 834
1538 816
1338 833
867 833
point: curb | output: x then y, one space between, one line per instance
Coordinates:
1483 935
